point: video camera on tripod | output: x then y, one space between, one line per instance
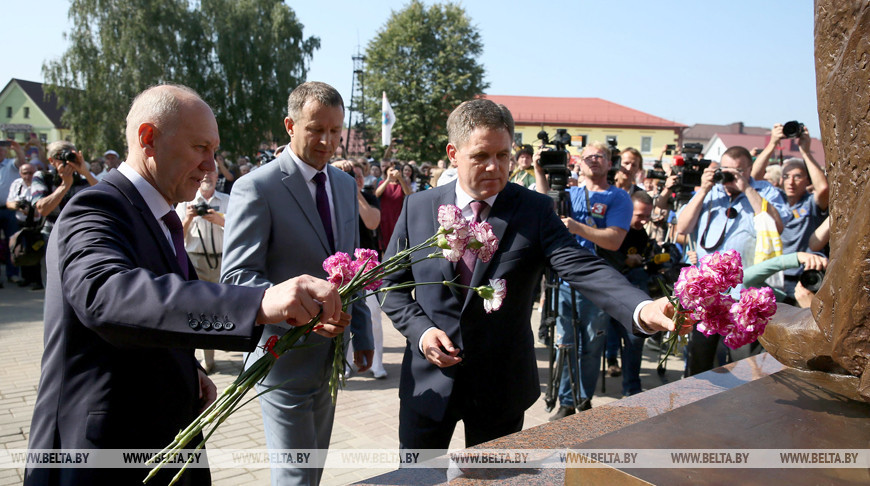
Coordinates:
555 165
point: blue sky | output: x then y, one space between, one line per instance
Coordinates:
708 61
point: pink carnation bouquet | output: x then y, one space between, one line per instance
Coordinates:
356 278
701 293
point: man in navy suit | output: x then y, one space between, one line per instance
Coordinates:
461 363
124 311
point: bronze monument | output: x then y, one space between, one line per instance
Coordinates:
835 336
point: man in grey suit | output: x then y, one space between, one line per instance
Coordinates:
464 364
284 220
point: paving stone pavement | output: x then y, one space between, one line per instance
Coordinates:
366 415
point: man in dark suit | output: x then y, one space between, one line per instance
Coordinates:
461 363
124 311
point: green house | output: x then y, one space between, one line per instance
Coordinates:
24 109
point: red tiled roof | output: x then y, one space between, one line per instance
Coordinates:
528 110
789 146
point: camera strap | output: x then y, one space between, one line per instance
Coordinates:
724 229
205 248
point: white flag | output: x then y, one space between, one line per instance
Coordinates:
388 119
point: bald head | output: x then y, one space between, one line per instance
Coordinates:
159 106
172 136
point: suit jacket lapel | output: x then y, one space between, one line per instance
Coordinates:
129 191
298 187
499 216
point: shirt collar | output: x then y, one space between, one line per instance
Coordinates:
155 201
307 171
463 199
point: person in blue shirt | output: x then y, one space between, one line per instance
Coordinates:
806 210
600 215
720 217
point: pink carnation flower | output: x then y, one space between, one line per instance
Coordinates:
452 255
714 317
750 315
726 266
694 287
450 217
369 258
338 267
493 295
486 242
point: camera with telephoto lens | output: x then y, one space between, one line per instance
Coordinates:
202 208
555 165
66 156
812 279
792 129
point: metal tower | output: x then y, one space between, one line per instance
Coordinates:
356 132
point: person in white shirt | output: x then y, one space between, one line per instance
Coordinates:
202 220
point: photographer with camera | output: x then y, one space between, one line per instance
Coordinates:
720 217
9 168
19 201
202 221
599 216
806 210
52 189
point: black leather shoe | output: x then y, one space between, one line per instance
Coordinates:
562 413
585 404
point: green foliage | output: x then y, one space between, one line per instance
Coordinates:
244 57
425 59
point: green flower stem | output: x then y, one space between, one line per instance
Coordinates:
679 320
229 400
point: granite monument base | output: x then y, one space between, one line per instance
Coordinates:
787 410
755 403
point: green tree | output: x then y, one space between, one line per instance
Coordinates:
243 57
425 59
261 55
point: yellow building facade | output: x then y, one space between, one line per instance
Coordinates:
588 120
650 142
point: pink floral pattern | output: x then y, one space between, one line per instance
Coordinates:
493 295
338 268
701 290
486 242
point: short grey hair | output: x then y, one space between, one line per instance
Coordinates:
478 113
55 148
159 105
322 93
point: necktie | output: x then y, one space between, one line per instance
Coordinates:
465 267
175 230
322 201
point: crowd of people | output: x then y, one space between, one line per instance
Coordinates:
181 246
